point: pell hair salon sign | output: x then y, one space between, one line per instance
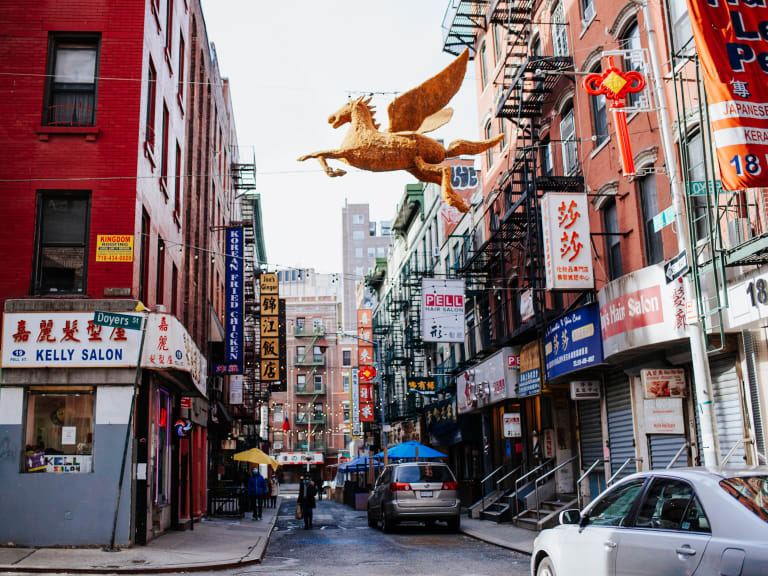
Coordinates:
639 309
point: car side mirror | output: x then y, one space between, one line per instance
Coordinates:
570 516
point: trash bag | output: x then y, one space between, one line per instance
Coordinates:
298 513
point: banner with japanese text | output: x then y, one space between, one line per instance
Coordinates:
732 44
567 249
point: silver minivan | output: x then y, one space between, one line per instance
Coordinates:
420 491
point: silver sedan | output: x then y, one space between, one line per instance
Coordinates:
700 521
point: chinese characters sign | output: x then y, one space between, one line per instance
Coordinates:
529 381
168 345
366 373
270 327
66 339
233 345
442 310
573 342
639 309
567 248
663 382
732 43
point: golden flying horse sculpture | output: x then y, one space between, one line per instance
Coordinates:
403 146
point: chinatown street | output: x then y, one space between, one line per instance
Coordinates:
341 543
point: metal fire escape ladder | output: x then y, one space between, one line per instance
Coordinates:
461 21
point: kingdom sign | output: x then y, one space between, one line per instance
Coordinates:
732 42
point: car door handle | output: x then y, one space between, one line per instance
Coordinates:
610 544
685 550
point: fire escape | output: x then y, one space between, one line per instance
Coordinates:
512 257
245 210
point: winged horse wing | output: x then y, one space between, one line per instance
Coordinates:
413 110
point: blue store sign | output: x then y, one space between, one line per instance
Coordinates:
573 342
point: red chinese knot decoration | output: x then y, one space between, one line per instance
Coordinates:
616 85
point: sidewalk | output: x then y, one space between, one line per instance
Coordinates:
218 543
215 543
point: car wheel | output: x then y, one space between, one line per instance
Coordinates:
455 524
545 568
371 520
387 525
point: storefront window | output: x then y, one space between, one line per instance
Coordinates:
59 430
163 452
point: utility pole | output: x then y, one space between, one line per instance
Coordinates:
701 378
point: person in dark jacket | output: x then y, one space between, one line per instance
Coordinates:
307 501
257 489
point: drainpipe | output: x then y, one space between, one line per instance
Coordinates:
710 449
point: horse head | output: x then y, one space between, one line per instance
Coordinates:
344 114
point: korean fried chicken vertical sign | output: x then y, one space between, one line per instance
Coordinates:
732 42
442 310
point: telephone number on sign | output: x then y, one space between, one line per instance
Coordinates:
115 258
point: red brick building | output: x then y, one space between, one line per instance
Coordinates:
118 179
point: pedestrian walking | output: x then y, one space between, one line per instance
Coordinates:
307 501
257 491
275 492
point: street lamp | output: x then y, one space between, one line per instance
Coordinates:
380 379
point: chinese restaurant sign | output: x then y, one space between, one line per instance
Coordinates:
366 373
663 382
168 345
442 310
732 43
66 339
233 345
573 342
567 248
270 327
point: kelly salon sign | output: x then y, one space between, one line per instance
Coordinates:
732 42
639 309
567 253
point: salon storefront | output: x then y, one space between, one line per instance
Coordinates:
68 387
486 398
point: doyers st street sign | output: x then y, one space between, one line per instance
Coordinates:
114 320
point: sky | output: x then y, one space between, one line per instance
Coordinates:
293 63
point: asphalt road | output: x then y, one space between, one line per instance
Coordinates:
341 543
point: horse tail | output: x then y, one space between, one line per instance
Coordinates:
459 147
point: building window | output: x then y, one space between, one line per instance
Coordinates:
72 71
358 252
358 235
168 28
301 383
62 242
163 446
317 354
317 326
300 353
318 379
381 252
587 10
682 33
488 130
483 65
174 290
599 116
371 252
696 171
160 281
547 165
300 323
559 31
345 408
497 44
182 50
144 256
630 40
612 240
346 358
149 137
345 382
504 133
164 152
371 228
177 184
646 187
277 414
59 430
357 219
569 145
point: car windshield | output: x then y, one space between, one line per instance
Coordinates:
424 474
751 491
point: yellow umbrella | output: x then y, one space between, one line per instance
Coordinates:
256 456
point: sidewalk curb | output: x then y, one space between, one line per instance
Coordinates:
495 541
254 556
